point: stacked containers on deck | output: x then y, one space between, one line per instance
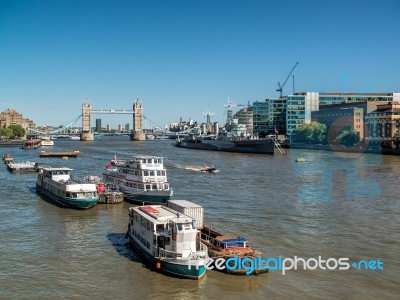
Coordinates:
193 210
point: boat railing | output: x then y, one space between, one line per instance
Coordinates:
162 253
201 248
87 179
215 229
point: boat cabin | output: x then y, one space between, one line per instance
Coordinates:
57 174
146 162
162 231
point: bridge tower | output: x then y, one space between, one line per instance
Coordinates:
137 132
86 134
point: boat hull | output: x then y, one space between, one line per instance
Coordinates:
150 197
236 249
67 202
171 267
266 146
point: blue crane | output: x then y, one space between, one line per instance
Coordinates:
281 86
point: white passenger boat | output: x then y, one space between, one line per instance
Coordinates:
143 179
47 143
65 190
168 240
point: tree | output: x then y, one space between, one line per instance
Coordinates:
348 137
18 130
396 140
6 132
310 133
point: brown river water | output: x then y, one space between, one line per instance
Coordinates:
332 205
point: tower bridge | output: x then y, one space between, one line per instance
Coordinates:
137 113
87 134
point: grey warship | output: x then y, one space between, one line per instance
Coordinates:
234 144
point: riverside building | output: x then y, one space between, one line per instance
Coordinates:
383 123
300 105
269 116
11 117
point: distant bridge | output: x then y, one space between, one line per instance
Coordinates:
86 126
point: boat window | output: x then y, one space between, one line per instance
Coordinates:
154 187
151 173
179 226
137 173
167 240
149 161
148 186
144 160
146 173
148 225
68 194
159 228
135 185
166 186
142 221
140 186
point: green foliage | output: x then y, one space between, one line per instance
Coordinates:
18 130
348 137
310 133
6 132
12 131
396 140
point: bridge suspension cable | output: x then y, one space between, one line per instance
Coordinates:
151 122
57 130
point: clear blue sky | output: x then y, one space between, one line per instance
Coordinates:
182 58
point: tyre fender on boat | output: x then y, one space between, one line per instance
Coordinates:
158 265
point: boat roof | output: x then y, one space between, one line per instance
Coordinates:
145 156
184 203
160 214
56 169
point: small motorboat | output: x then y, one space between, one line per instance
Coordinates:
210 169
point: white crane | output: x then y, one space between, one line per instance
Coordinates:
208 114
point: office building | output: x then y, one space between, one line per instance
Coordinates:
269 116
300 105
98 125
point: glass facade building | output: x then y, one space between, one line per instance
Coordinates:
98 125
269 116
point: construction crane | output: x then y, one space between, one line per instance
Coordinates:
281 86
208 114
229 111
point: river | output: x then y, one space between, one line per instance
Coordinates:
333 205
